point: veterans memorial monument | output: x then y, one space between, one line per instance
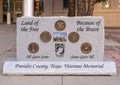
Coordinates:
59 46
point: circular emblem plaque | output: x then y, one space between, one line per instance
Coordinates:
33 47
60 25
73 37
45 37
86 48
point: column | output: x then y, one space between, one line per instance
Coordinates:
28 8
8 13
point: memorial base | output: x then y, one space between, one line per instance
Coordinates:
59 68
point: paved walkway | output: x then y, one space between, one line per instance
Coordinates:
112 44
8 51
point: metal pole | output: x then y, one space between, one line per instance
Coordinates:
28 7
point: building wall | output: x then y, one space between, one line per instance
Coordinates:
1 11
48 8
111 15
58 8
58 4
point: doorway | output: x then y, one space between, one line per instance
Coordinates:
16 9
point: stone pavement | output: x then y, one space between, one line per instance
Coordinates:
8 51
112 44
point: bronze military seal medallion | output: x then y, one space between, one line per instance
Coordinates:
86 48
33 47
73 37
60 25
45 36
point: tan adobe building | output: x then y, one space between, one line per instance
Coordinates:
110 10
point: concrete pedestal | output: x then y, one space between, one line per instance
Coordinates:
59 68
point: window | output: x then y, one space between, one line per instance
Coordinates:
65 4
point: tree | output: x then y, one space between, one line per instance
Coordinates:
84 7
71 8
81 7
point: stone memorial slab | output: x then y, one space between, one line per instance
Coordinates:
60 46
60 38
